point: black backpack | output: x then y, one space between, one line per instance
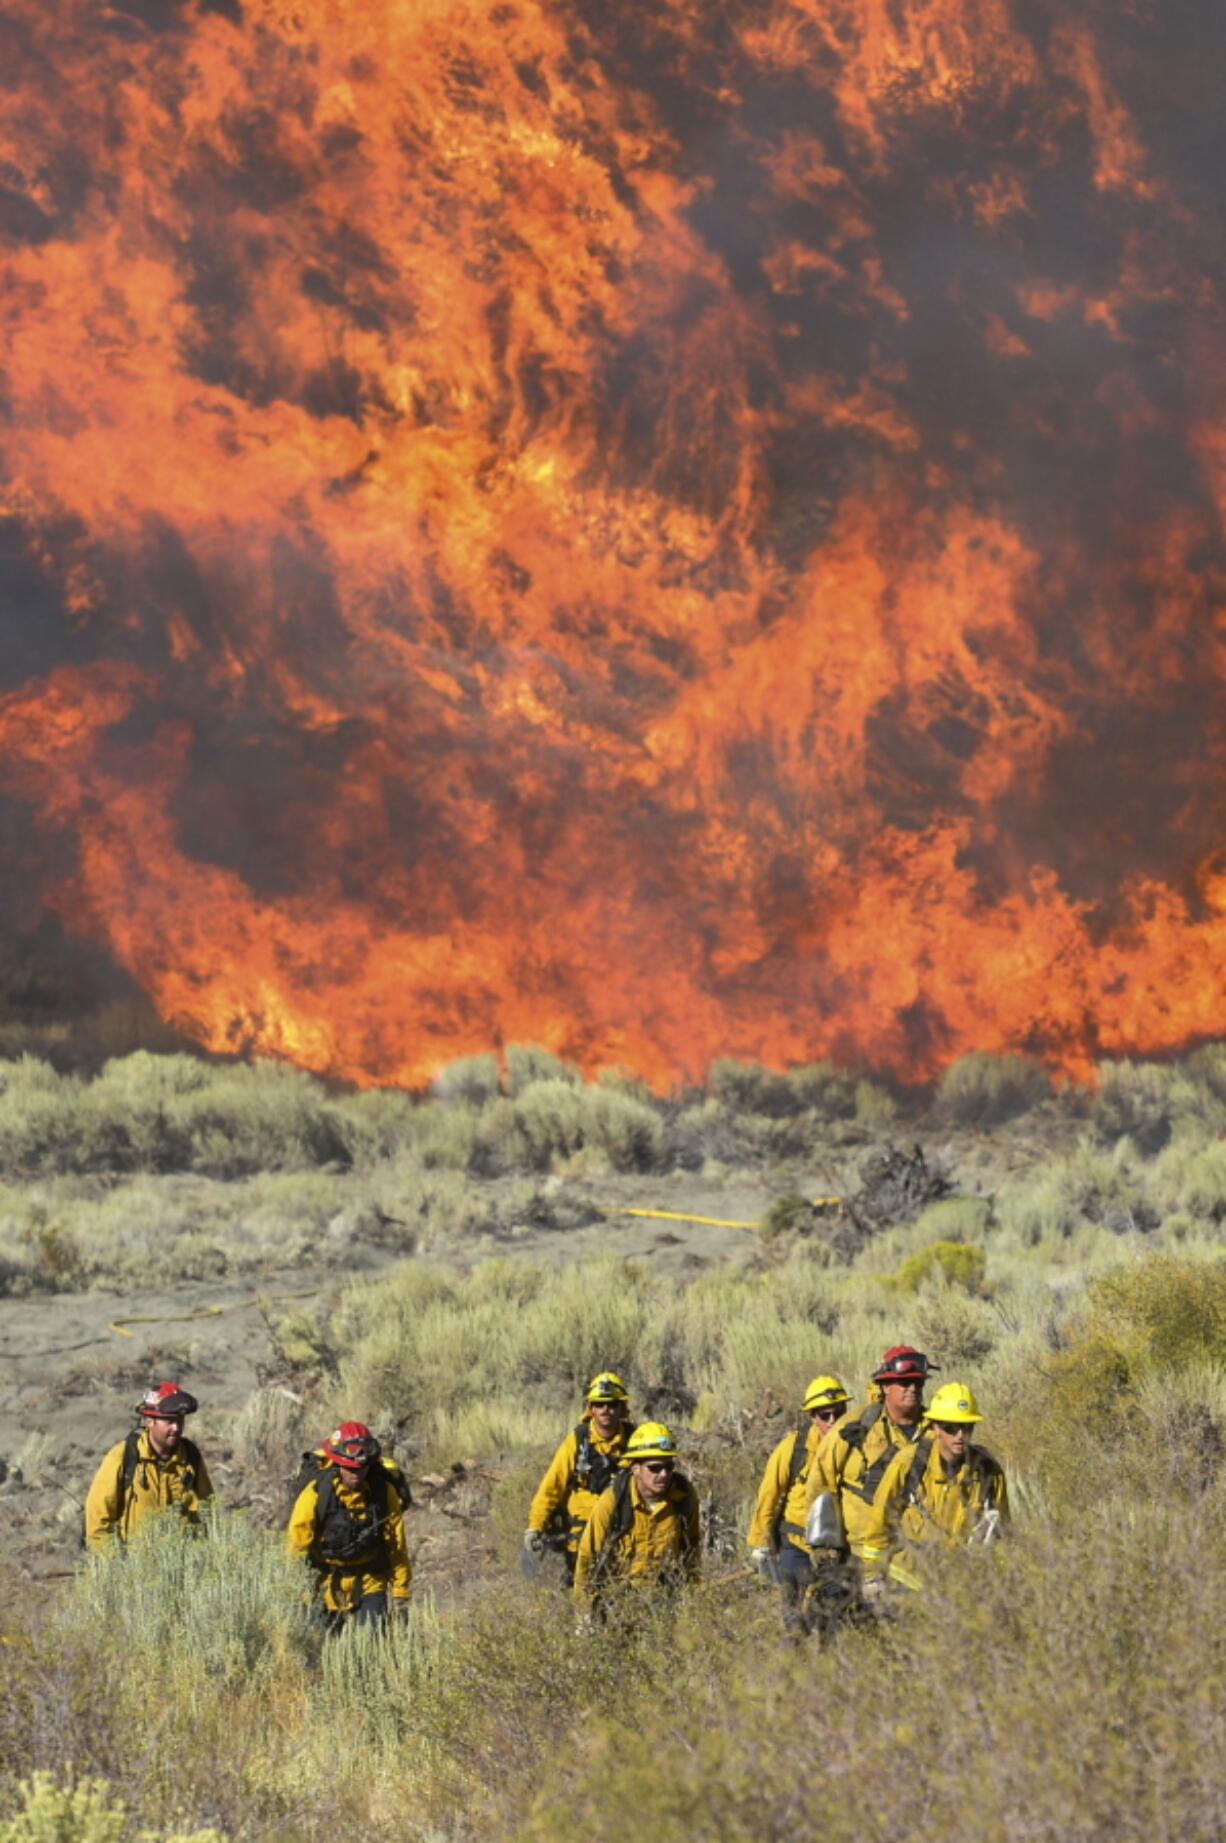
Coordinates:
855 1432
594 1470
347 1537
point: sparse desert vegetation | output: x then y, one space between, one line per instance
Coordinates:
1060 1250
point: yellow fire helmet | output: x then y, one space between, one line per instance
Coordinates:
824 1392
953 1401
606 1387
650 1441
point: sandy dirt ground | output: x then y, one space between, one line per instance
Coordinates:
73 1364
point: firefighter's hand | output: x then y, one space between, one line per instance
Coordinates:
875 1592
400 1604
534 1542
761 1560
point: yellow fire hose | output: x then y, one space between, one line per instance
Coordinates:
119 1325
710 1222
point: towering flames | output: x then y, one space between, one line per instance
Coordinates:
653 527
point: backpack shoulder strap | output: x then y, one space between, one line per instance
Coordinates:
623 1508
191 1452
324 1482
800 1453
917 1468
987 1467
855 1432
619 1522
127 1470
687 1492
866 1486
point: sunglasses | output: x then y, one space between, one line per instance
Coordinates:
828 1414
952 1426
656 1465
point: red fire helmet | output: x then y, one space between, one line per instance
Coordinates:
903 1364
167 1401
351 1444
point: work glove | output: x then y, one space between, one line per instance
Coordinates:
399 1606
875 1592
761 1560
534 1542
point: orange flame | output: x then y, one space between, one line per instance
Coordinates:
658 530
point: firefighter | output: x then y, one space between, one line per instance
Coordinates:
584 1465
156 1468
937 1494
776 1535
852 1458
348 1522
643 1530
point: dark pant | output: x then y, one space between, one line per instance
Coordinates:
834 1598
371 1609
794 1573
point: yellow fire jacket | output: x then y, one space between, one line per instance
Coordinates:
773 1491
382 1568
157 1485
658 1545
562 1488
942 1511
840 1466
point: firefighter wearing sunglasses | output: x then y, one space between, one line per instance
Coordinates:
778 1548
644 1529
585 1464
940 1493
853 1457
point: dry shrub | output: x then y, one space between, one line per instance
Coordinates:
468 1078
1110 1189
166 1113
707 1132
1191 1178
984 1089
957 1332
747 1087
825 1091
1149 1102
528 1063
956 1219
1008 1705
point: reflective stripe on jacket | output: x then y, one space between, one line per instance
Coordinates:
560 1490
385 1569
943 1510
157 1484
773 1491
658 1544
840 1466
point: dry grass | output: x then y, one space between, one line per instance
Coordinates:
1061 1688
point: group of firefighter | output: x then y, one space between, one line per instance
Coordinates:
850 1501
